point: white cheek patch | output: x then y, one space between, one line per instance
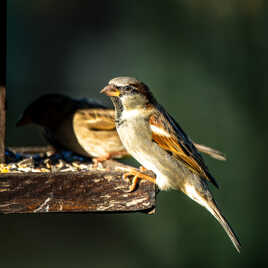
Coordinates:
159 131
129 114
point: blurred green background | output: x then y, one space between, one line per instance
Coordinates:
206 62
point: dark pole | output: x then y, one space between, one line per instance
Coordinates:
3 12
2 123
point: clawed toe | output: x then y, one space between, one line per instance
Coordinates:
137 176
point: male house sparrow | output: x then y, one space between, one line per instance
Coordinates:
157 142
84 127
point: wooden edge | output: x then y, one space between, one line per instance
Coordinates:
100 190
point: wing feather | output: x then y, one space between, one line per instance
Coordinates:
168 135
98 119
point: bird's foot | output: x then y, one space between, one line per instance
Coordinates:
100 159
136 177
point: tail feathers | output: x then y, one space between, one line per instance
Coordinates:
212 208
210 151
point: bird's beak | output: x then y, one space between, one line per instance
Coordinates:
24 120
111 91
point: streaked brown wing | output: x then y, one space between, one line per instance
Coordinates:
98 119
169 136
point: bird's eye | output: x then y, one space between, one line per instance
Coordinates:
128 88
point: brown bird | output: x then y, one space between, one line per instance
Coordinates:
84 127
159 144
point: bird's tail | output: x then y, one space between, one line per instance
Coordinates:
205 199
213 209
210 151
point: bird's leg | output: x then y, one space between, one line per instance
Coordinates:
118 154
137 176
100 159
108 156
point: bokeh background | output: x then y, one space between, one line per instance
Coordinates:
206 62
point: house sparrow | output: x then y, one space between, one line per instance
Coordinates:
159 144
84 127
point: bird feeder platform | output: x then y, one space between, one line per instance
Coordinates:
34 180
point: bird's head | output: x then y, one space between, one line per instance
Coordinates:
128 92
46 111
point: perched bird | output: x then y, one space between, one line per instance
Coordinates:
159 144
84 127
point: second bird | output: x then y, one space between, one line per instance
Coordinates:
84 127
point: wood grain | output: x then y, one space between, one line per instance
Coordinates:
97 190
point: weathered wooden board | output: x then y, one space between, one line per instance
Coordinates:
99 190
